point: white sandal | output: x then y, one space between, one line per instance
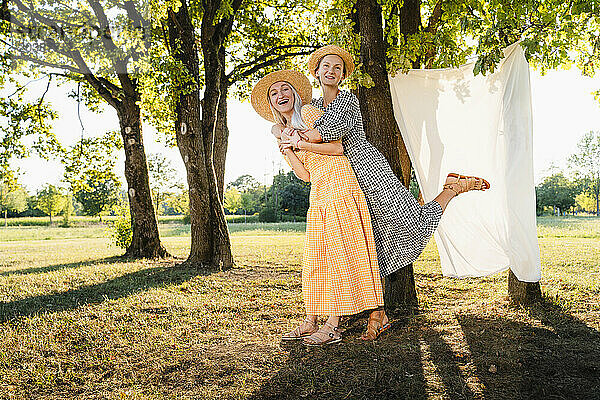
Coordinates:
320 337
300 333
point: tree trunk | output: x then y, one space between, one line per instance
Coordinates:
523 293
383 132
195 126
597 199
157 202
145 241
214 71
221 136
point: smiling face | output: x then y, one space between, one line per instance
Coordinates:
282 97
331 70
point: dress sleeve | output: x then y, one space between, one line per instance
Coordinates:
339 118
310 114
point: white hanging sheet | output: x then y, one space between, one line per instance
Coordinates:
453 121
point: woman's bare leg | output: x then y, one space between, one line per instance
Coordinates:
444 198
333 320
456 184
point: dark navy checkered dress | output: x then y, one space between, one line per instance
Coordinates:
401 226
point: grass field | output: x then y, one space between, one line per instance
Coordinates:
81 220
76 321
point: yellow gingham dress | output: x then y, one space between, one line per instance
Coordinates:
340 275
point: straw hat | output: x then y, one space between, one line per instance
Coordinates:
318 54
260 99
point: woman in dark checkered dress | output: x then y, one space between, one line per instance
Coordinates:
401 226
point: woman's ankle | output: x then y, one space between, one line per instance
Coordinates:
333 321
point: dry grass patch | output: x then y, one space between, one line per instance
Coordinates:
78 323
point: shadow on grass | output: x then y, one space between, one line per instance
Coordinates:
504 359
119 287
391 368
57 267
560 360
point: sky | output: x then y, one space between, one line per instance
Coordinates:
564 109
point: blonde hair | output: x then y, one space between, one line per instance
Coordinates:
296 120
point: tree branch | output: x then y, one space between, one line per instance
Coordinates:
109 91
432 25
231 78
119 65
283 6
46 63
210 12
79 112
224 26
94 81
39 105
22 87
269 52
434 19
110 86
134 15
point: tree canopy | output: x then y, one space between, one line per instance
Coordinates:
50 200
586 164
89 171
556 191
448 33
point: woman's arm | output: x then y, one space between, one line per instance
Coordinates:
329 148
341 116
276 130
296 164
334 148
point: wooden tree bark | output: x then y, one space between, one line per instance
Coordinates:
221 137
145 242
195 125
523 293
383 132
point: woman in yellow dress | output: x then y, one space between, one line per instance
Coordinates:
340 275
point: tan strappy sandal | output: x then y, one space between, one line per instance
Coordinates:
376 326
321 337
300 332
462 183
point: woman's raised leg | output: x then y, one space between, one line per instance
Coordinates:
457 184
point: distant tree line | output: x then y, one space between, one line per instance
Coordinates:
287 199
578 190
91 187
